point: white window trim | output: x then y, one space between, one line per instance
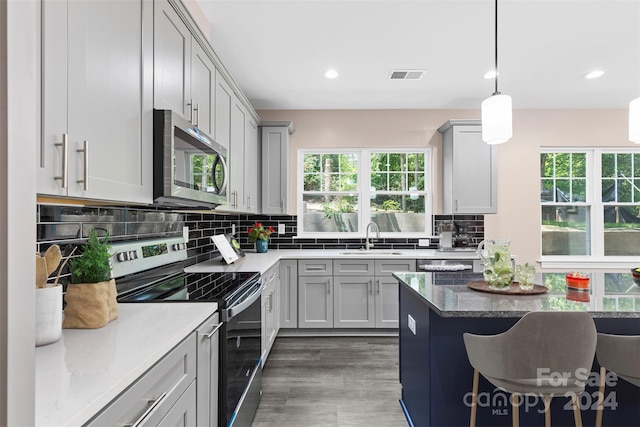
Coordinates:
364 193
597 259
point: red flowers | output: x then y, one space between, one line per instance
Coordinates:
258 232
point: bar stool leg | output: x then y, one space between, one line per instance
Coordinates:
474 398
547 411
576 410
515 410
603 373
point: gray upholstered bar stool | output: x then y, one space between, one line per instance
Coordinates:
533 356
621 355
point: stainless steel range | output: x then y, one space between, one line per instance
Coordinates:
153 271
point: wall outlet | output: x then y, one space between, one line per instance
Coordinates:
281 229
423 242
412 323
233 229
185 234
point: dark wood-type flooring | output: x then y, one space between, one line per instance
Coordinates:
333 382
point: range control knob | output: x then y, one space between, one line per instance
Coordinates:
122 256
133 255
178 246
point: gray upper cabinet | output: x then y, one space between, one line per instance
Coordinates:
184 75
97 97
223 99
275 166
252 166
469 168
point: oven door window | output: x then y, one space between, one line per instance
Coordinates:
196 166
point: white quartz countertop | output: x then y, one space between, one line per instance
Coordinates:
261 262
87 368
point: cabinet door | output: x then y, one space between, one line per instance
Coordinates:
208 335
387 303
172 60
54 99
288 294
353 302
315 302
222 113
237 156
110 99
251 167
203 86
275 168
183 413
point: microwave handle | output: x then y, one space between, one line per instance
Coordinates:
222 187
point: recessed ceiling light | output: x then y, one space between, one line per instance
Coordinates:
331 74
490 74
594 74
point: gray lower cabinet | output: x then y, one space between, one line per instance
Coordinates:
353 302
315 302
97 100
288 293
151 399
386 300
270 309
206 396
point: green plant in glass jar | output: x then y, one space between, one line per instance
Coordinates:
498 268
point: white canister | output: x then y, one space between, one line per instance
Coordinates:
48 315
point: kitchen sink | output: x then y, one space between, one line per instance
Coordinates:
371 252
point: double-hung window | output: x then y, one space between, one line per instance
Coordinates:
590 204
341 191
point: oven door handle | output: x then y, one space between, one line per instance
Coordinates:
233 311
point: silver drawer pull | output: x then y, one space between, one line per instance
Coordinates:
64 176
315 268
154 404
212 333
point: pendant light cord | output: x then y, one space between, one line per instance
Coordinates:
496 46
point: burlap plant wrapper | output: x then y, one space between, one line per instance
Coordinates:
90 305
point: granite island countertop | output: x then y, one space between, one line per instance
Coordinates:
612 295
86 369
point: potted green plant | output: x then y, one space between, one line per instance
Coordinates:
91 296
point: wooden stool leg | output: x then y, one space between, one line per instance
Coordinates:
547 411
603 373
576 410
474 398
515 415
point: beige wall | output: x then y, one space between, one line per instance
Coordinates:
518 216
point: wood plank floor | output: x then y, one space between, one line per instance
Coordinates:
332 382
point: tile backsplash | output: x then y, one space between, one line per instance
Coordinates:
68 226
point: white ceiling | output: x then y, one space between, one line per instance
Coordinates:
278 50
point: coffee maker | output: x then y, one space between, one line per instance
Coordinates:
446 230
461 238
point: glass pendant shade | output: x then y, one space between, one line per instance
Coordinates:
634 121
496 119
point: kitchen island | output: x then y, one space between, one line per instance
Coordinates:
435 373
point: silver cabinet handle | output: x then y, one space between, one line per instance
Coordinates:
190 110
212 333
328 286
196 115
248 202
371 286
85 180
311 268
154 404
378 285
64 176
456 205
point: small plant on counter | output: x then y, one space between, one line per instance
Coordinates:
92 266
259 232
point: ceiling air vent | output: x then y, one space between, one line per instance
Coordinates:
406 75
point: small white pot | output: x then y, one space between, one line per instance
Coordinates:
48 315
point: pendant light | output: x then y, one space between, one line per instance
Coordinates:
634 121
496 110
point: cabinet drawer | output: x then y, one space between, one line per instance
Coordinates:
315 267
353 267
161 386
384 267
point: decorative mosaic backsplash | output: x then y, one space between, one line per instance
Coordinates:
68 226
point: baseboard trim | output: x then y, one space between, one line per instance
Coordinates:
324 332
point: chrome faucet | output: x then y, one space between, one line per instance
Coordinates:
367 244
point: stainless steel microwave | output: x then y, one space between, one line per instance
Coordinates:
189 167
